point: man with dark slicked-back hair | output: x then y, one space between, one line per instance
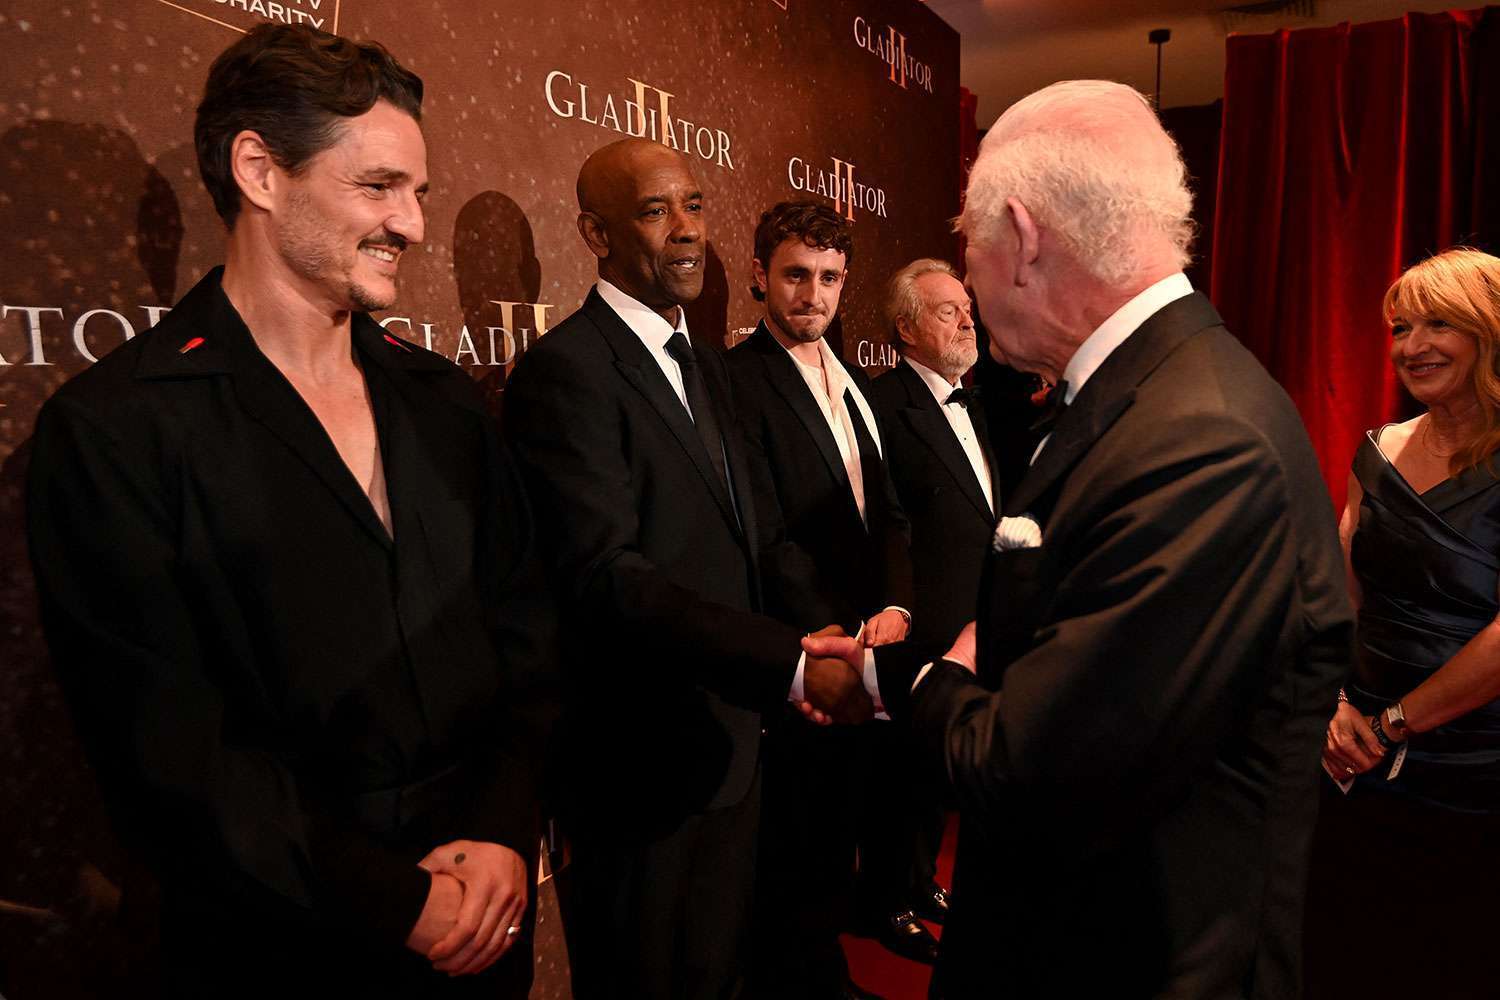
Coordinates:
627 436
284 570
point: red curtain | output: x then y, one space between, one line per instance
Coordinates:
1348 153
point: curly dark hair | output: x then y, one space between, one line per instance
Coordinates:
292 85
819 226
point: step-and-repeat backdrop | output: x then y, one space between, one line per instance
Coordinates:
104 224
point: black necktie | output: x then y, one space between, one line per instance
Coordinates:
699 404
1052 410
963 397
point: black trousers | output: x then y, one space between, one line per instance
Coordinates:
814 781
664 917
900 824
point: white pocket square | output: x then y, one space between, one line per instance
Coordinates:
1017 533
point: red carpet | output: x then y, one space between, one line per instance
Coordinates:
893 977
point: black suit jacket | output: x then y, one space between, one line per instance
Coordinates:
254 663
951 522
1137 762
669 669
844 569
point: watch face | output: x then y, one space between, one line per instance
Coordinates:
1395 720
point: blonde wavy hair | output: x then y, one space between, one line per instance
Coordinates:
1461 287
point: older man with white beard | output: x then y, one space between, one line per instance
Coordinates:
1133 732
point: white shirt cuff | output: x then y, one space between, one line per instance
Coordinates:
795 694
872 685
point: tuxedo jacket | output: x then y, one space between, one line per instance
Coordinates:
669 668
851 567
951 522
260 672
1137 761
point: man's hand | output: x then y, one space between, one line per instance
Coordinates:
836 689
888 626
439 913
963 650
832 680
494 900
851 651
812 714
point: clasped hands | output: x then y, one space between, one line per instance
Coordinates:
474 906
833 681
1350 747
840 695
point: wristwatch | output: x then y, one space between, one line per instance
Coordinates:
1395 722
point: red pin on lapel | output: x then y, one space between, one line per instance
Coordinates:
397 343
190 345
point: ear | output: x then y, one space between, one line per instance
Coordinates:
904 331
1023 230
254 170
595 236
758 274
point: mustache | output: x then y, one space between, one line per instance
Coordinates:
386 238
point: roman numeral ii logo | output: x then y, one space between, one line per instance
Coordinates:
898 57
843 188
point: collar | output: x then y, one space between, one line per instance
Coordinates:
838 379
645 322
940 387
203 334
1121 324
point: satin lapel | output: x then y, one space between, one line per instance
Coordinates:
979 417
781 372
928 423
638 368
734 458
267 397
1110 391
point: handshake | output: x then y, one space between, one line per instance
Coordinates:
833 686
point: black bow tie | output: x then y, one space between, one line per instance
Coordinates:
963 397
1052 410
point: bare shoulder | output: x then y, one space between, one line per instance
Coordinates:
1392 439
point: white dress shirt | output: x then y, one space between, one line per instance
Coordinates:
829 395
828 381
1114 331
958 418
647 324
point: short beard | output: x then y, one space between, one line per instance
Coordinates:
956 360
307 251
367 300
800 336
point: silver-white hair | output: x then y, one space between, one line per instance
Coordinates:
1092 164
902 301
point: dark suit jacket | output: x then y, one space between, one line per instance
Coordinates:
254 663
951 523
669 669
853 568
1137 762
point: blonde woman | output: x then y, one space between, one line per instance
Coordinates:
1409 854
